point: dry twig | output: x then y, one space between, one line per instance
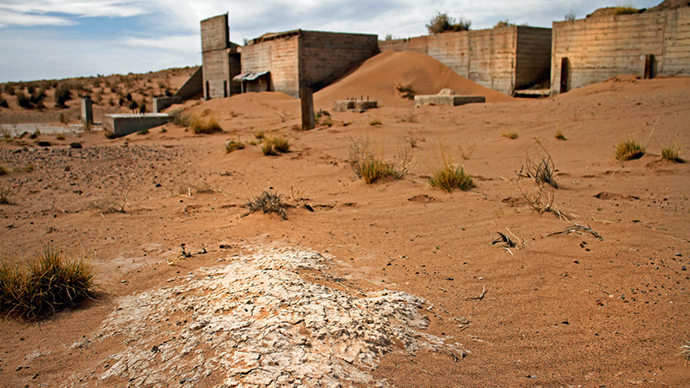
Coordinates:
578 228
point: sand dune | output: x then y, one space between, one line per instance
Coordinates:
379 76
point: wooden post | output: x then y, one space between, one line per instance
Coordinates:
648 66
307 99
564 74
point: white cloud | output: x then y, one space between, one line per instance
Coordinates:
79 8
185 43
10 18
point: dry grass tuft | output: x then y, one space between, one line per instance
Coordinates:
671 153
559 135
451 177
629 149
233 145
372 167
268 202
274 145
510 134
45 286
685 350
5 193
205 125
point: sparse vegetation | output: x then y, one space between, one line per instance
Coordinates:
625 10
45 286
504 23
671 153
451 177
259 135
443 23
406 91
629 149
23 100
5 193
559 135
178 117
274 145
570 16
510 134
3 171
372 167
268 202
375 122
144 131
62 95
233 145
205 125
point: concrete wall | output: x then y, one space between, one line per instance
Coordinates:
313 56
193 86
502 59
325 56
599 48
279 55
220 60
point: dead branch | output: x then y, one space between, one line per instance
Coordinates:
480 297
579 229
505 240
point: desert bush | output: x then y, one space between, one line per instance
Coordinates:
233 145
539 165
129 97
375 122
451 177
24 101
144 131
3 103
268 202
205 125
178 117
406 91
444 23
280 144
45 286
62 95
671 153
371 167
268 150
504 23
629 149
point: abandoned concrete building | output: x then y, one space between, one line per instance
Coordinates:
220 58
594 49
287 60
505 59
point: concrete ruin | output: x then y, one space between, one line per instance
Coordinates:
87 111
592 50
220 58
446 97
505 59
285 61
124 124
354 105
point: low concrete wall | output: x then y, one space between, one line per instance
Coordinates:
124 124
435 99
357 106
161 103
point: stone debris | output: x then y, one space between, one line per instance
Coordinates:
257 323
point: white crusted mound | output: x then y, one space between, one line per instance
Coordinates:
256 322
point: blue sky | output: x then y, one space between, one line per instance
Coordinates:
45 39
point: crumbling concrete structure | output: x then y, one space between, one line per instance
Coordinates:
505 59
220 58
594 49
288 60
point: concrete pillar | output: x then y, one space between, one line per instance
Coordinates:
87 110
306 95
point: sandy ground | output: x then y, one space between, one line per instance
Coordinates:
564 310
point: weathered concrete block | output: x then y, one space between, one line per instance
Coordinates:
124 124
447 100
160 103
358 106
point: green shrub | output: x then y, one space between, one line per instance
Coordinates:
671 153
233 145
450 178
268 202
629 149
144 131
205 125
45 286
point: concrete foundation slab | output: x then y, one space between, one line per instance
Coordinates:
446 100
353 105
124 124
